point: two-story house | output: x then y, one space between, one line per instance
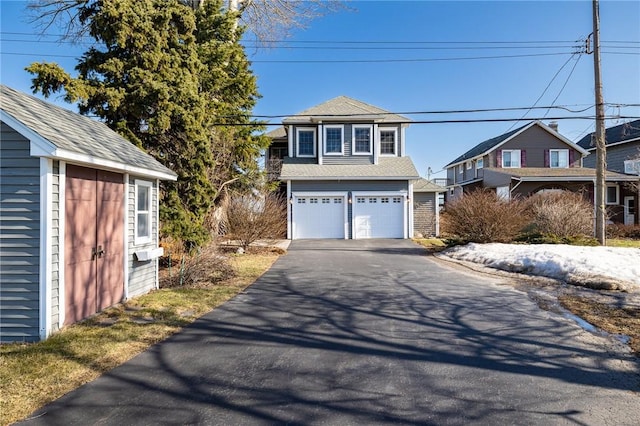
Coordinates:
623 156
344 169
527 160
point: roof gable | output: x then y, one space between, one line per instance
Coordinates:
622 133
489 145
343 107
60 133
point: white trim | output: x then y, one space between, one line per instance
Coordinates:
290 141
46 225
126 236
628 219
137 241
409 205
401 142
319 142
62 259
156 235
289 217
518 155
353 139
437 212
616 143
306 129
321 177
319 194
376 144
395 141
324 139
405 203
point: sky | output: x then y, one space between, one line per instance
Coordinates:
577 264
422 56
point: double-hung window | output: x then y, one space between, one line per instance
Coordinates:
333 139
559 158
479 163
306 142
511 158
362 140
388 141
143 190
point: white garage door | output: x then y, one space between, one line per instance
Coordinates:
378 216
318 216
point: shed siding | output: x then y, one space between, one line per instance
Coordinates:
19 238
142 275
424 213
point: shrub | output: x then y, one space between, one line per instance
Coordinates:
207 266
618 230
481 217
256 216
563 215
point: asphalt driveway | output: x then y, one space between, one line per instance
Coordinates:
367 332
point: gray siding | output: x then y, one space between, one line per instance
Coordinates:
424 213
19 238
494 179
55 248
616 155
142 275
535 141
356 185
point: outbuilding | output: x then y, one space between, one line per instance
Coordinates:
78 217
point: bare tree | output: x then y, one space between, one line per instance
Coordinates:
256 216
267 20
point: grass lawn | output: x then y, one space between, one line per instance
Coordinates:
623 243
32 375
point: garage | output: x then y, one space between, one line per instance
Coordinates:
316 215
379 215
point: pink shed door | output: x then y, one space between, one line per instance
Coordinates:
94 241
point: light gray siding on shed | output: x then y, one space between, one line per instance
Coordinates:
19 238
142 275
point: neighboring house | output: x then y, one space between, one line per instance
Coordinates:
531 159
78 217
623 156
345 173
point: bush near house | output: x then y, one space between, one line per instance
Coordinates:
617 230
481 216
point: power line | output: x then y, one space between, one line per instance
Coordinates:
565 83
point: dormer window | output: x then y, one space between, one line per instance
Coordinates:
558 158
333 140
388 141
362 140
306 142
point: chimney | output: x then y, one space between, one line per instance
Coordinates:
554 125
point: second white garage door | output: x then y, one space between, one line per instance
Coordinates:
378 216
319 216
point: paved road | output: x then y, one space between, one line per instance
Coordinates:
363 333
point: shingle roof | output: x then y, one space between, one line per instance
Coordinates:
392 168
486 146
560 173
76 133
277 133
424 185
343 107
613 135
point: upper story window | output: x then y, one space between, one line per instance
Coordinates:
388 141
559 158
632 167
306 142
333 140
143 190
460 168
362 139
469 165
479 163
511 158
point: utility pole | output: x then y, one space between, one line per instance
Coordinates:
601 149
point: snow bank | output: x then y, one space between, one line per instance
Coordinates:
611 268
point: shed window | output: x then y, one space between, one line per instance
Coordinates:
143 211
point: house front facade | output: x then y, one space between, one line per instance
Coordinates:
343 168
530 159
623 156
78 217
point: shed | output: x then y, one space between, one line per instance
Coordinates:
426 208
78 217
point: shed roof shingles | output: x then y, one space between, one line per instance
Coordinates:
74 132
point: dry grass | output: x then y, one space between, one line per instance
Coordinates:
614 242
616 320
32 375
